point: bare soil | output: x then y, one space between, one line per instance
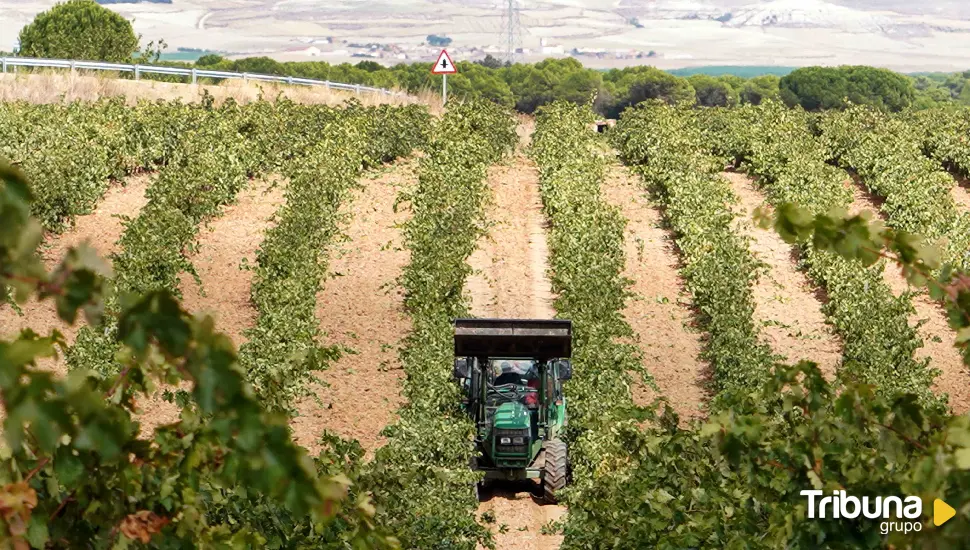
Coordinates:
224 244
523 516
660 310
361 307
101 229
938 337
961 193
787 304
511 282
510 264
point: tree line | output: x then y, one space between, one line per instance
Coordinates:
82 29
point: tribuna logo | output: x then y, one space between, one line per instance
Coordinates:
906 510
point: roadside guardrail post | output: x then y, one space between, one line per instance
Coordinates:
137 72
289 80
357 89
73 67
245 77
4 65
195 76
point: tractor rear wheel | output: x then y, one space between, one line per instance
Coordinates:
554 469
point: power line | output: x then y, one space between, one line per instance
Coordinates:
511 30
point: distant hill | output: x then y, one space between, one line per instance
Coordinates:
134 1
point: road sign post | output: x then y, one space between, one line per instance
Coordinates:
444 66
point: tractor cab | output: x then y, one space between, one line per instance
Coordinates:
511 374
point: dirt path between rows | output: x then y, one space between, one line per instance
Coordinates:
222 246
787 304
660 311
101 229
511 282
961 193
225 245
361 307
938 337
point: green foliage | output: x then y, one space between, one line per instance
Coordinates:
586 266
775 144
886 153
638 84
713 92
530 86
536 85
734 480
283 350
73 472
944 135
205 171
816 88
75 150
79 29
760 88
666 146
421 480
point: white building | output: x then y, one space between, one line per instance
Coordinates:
311 51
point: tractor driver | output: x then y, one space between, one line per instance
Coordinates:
517 372
531 399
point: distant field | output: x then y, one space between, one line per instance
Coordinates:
735 70
183 56
282 29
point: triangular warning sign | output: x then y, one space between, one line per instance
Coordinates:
942 512
444 64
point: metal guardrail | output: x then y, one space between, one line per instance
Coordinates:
194 74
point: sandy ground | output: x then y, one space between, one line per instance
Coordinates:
961 193
659 313
511 282
222 245
101 229
361 308
787 304
938 337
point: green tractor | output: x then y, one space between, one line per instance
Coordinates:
511 373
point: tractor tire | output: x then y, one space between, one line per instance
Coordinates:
555 469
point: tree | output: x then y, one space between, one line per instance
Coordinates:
931 97
639 84
713 92
209 60
492 62
531 86
370 66
79 29
435 40
964 97
760 88
880 88
263 65
816 88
